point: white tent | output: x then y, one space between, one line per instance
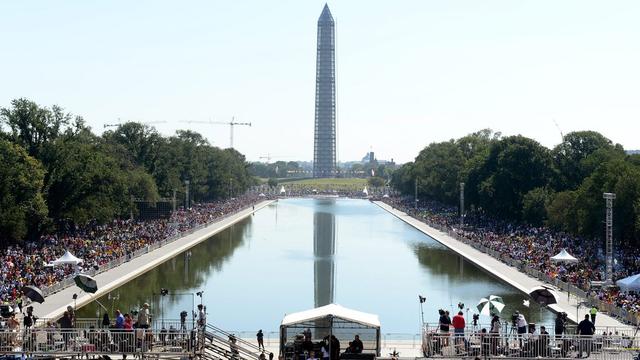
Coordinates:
67 258
331 320
262 195
334 310
564 256
282 190
629 283
365 191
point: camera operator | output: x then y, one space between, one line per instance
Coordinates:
560 325
202 316
521 323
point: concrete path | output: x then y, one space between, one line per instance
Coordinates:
55 304
503 271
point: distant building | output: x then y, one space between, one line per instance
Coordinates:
324 147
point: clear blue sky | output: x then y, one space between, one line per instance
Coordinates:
408 72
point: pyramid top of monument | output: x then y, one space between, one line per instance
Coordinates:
326 15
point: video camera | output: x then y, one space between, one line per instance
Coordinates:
460 305
183 316
514 319
476 318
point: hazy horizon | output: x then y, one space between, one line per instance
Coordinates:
408 73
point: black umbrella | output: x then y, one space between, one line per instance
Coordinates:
543 295
33 293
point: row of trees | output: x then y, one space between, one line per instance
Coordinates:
518 179
54 168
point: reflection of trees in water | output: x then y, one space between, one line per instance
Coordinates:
442 261
178 274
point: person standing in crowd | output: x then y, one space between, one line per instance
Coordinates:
128 322
559 325
143 317
521 323
29 319
119 320
458 330
65 326
202 316
593 312
585 330
260 338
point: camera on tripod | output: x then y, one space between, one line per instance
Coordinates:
476 318
514 319
183 316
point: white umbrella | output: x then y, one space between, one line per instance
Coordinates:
262 195
282 190
365 191
67 258
492 305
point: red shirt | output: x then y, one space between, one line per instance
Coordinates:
458 322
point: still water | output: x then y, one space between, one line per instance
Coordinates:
297 254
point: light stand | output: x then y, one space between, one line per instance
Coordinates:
163 292
422 299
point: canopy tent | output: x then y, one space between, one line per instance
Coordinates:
67 258
629 283
315 325
564 256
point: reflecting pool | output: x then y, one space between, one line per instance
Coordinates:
298 254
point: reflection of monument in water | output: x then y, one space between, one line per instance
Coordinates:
324 247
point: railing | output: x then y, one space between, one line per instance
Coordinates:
611 309
464 345
223 344
507 327
102 341
67 282
88 323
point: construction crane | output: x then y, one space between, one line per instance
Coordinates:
269 157
231 124
145 123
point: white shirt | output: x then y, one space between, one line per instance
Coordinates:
521 321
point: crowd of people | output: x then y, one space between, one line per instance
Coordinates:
534 246
98 245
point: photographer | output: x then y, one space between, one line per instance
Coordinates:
560 325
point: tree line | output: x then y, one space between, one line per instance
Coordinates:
54 169
517 179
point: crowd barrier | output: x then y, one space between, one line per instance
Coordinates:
67 282
611 309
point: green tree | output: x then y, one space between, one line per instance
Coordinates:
438 168
376 181
32 126
22 206
141 142
534 206
561 211
570 155
513 166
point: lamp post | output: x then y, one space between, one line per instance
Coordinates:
461 205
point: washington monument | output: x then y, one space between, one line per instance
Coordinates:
324 147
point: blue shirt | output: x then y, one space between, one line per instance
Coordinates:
120 321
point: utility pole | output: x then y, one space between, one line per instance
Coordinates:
186 195
416 194
173 201
461 205
609 235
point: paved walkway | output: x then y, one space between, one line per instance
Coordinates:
55 304
503 271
